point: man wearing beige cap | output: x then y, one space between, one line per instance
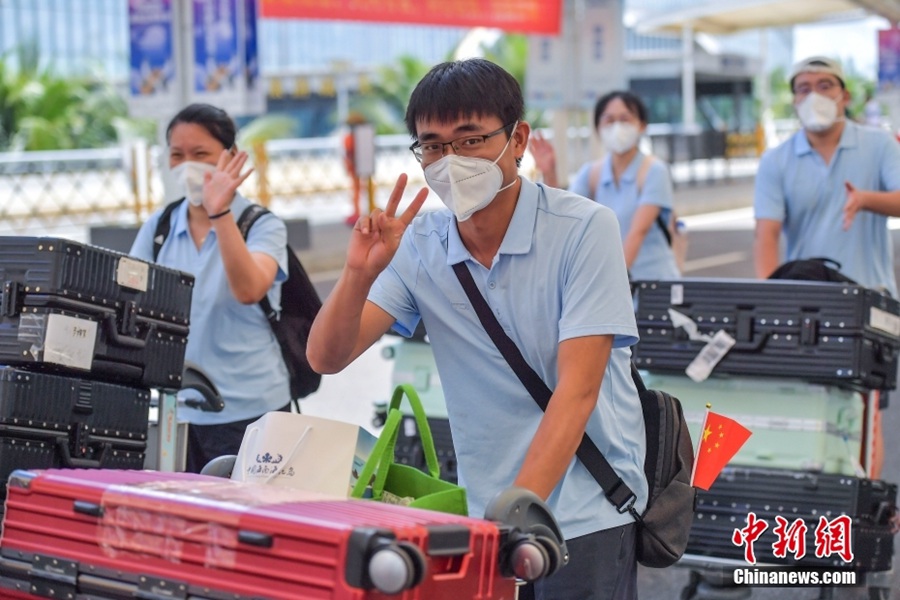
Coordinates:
830 187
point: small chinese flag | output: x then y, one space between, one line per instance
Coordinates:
721 439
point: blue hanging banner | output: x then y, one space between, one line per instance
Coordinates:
888 60
154 87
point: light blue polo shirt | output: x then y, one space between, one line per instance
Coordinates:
232 342
796 187
559 274
655 259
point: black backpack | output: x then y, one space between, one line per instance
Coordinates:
299 305
671 500
812 269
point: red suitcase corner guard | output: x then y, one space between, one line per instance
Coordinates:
209 533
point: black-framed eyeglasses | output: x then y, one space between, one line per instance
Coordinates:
822 86
468 145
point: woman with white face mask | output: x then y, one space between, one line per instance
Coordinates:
636 186
230 337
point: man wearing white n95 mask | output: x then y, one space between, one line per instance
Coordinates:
831 187
551 267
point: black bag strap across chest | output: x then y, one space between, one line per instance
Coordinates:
616 490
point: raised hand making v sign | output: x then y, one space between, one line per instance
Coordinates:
376 236
349 323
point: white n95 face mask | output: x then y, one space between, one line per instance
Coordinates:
620 137
466 184
188 176
817 112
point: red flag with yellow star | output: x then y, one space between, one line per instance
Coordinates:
722 438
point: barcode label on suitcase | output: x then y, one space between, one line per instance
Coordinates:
714 351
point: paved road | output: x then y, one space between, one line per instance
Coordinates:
720 246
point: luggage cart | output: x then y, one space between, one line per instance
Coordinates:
711 576
167 436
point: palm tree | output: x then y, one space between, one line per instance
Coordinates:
40 110
385 105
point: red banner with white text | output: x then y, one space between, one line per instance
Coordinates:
522 16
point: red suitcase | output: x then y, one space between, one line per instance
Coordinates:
146 534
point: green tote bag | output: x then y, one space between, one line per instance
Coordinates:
427 490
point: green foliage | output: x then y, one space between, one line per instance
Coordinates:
511 53
385 105
264 128
783 98
40 110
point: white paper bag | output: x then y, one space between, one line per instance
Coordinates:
303 452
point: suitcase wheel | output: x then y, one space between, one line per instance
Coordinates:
534 558
396 567
220 466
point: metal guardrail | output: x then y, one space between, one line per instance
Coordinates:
64 184
122 186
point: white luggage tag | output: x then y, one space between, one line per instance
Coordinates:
713 352
717 346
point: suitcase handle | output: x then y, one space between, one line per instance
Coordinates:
124 341
71 462
754 346
108 316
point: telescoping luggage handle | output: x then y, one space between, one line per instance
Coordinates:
383 452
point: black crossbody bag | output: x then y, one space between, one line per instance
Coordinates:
664 526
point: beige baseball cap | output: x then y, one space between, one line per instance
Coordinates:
818 64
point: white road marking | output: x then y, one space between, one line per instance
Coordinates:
716 260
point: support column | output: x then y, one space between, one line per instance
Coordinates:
688 96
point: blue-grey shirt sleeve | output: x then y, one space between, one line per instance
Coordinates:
142 247
269 236
768 195
890 165
580 184
391 293
657 190
596 293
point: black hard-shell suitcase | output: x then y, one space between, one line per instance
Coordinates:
408 450
48 420
795 495
82 309
833 333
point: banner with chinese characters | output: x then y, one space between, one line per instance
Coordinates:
521 16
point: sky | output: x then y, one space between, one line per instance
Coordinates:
857 41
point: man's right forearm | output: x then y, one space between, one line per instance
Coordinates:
765 249
335 335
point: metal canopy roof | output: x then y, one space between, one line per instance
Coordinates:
721 18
